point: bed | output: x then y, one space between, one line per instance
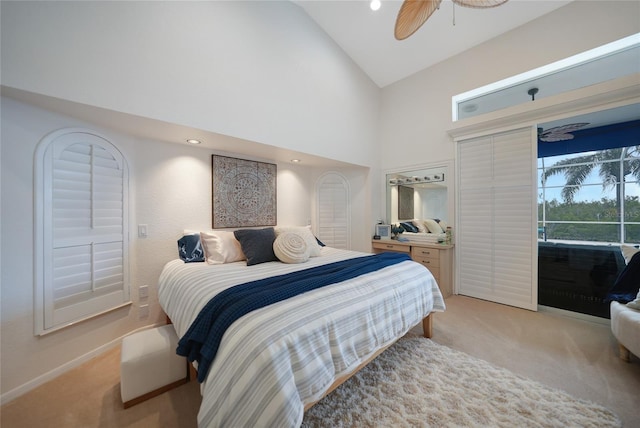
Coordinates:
275 362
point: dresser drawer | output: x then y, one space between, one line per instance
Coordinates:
425 253
427 261
390 246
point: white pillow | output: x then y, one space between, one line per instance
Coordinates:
306 234
420 225
627 252
290 247
221 246
635 304
432 225
443 225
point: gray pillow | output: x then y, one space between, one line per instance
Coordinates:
257 244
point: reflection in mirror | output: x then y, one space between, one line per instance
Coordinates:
418 194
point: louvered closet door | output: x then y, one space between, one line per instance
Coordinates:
496 239
85 238
333 211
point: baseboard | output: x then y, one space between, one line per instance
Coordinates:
50 375
575 315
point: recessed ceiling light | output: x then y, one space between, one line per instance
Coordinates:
295 160
375 4
193 141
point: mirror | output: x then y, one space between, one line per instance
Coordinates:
420 192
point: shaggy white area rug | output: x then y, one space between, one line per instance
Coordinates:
418 383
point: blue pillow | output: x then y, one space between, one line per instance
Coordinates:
257 244
409 227
190 248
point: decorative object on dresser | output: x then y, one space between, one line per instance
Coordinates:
383 231
244 192
438 258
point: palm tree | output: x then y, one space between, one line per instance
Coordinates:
576 170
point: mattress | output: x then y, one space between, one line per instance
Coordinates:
275 360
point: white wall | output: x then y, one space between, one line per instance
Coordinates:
257 70
262 72
170 191
416 111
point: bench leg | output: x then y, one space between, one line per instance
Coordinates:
625 355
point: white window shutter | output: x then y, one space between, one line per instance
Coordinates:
334 210
496 240
82 227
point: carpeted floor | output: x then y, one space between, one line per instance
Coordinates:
418 383
577 356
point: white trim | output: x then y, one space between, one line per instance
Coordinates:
42 241
603 96
52 374
554 67
345 182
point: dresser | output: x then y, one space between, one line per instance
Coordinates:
438 258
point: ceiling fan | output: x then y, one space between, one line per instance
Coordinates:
559 133
414 13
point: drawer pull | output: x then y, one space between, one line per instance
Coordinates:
426 252
389 246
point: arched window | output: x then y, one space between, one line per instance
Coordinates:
334 210
81 231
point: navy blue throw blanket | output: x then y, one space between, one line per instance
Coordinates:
202 340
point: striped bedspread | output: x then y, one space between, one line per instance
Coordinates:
273 361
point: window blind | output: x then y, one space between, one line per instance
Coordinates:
333 211
84 232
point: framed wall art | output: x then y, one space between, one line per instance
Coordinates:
405 203
243 192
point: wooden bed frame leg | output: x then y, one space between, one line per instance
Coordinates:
427 326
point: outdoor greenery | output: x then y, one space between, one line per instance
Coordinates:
597 220
597 213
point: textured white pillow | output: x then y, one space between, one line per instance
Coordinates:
420 225
290 247
306 234
221 246
432 225
628 251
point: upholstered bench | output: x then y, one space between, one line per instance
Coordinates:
625 325
149 364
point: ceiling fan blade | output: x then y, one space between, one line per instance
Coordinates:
479 4
412 14
560 133
553 138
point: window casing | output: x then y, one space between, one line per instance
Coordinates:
333 210
81 231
